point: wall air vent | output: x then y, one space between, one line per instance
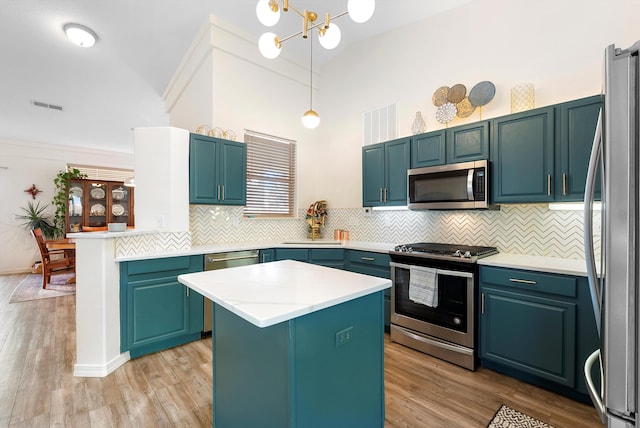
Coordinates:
45 105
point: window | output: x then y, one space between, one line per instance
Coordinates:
271 176
104 173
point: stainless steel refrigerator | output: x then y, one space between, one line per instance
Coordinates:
615 291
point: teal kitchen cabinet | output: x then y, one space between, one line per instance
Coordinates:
428 149
329 257
374 264
466 143
462 143
267 255
217 171
522 155
538 327
575 125
384 173
156 311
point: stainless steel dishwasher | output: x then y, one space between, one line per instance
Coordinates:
222 261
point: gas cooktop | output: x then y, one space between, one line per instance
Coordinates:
466 253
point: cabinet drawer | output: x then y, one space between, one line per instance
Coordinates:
159 265
369 258
526 280
320 254
299 254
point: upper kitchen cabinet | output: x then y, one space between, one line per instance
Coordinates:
458 144
384 173
95 203
575 127
467 143
522 154
428 149
217 171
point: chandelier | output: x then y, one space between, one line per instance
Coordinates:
329 35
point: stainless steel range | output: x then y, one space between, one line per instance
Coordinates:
433 299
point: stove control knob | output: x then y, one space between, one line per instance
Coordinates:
398 248
409 249
457 254
467 255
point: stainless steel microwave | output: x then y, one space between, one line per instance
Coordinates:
455 186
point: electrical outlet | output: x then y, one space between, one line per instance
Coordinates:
344 336
366 212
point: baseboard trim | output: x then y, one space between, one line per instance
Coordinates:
94 370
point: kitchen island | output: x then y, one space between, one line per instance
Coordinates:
295 345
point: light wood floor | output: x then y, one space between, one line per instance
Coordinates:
173 387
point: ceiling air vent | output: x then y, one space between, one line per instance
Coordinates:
45 105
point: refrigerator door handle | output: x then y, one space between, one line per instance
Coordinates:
596 397
589 192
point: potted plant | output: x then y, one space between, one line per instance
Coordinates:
35 216
62 181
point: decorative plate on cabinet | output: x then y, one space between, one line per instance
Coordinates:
98 210
446 112
440 96
117 209
97 193
457 93
482 93
465 109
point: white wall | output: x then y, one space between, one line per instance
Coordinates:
557 45
31 163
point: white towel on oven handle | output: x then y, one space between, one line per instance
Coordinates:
423 286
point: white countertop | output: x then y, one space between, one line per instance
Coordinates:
538 263
269 293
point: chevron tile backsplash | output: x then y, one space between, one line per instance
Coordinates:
521 229
152 243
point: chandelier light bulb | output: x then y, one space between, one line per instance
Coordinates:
310 119
331 37
266 15
80 35
361 10
267 46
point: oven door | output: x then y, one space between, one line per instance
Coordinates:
451 320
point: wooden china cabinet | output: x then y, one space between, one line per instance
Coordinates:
94 203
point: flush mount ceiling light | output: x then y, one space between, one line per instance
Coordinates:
80 35
268 12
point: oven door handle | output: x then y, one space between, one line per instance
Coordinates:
438 271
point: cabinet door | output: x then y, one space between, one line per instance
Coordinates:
329 257
396 166
157 311
468 142
576 128
267 255
372 175
299 254
76 207
528 333
121 201
522 153
428 149
203 170
232 177
98 203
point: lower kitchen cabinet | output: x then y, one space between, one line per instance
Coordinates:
267 255
329 257
156 311
374 264
538 327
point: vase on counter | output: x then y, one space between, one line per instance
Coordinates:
419 126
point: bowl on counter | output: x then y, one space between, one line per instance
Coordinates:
116 227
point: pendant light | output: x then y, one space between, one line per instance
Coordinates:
310 118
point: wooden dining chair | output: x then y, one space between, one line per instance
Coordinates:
53 262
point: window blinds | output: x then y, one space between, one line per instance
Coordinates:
271 173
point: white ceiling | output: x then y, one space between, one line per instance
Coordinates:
117 85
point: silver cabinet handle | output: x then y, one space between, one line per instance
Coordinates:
564 184
385 195
523 281
548 184
223 192
482 303
369 259
187 288
218 192
381 194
